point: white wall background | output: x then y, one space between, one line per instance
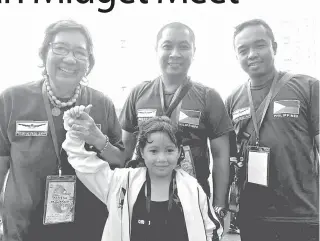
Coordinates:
296 25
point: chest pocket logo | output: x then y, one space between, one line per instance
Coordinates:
241 114
286 108
189 118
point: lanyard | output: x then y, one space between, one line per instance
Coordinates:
266 106
52 127
173 100
171 192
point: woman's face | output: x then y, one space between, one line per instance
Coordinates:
160 155
67 59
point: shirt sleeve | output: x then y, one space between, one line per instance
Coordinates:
114 129
5 107
228 106
217 119
128 118
232 135
314 108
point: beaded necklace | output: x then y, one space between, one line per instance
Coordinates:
57 104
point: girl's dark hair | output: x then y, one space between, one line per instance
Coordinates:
65 25
157 124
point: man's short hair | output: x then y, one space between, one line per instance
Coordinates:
176 25
254 22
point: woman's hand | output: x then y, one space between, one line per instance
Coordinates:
83 126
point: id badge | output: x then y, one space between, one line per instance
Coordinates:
60 199
187 163
258 165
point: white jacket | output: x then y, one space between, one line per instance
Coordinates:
119 189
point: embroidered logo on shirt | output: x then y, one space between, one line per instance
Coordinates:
189 118
145 114
31 128
241 114
286 108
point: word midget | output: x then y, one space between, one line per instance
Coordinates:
112 2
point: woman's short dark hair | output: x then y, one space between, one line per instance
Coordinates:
158 124
64 25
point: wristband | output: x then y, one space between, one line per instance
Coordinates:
105 146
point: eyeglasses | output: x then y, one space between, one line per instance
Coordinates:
62 49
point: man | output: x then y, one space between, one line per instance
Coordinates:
276 120
199 111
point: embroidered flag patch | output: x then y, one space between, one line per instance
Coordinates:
189 118
286 108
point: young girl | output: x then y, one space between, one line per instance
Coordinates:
155 202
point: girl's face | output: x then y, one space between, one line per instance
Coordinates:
160 155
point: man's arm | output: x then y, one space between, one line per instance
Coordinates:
4 167
317 142
220 150
4 140
129 141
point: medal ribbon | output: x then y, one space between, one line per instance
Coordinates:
267 103
173 103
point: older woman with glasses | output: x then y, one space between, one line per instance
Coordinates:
43 199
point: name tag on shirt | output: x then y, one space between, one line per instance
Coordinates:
241 114
145 114
258 165
60 199
31 128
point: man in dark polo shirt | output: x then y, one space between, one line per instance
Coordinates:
280 199
199 111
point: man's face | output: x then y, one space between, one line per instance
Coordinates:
175 50
255 51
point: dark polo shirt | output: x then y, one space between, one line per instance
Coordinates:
289 128
202 116
33 158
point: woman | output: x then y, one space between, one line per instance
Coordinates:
157 202
30 144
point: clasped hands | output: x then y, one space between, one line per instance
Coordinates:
82 126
